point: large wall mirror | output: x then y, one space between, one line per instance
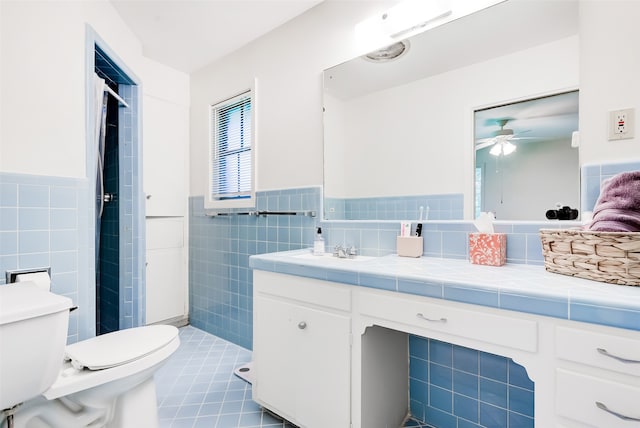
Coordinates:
401 135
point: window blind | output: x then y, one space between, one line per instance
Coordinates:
231 171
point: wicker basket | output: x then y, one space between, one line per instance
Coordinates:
612 257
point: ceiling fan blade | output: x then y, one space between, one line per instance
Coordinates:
486 140
482 145
526 138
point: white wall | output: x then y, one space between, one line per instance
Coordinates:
43 81
609 76
531 180
288 64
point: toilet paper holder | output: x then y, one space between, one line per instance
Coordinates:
12 275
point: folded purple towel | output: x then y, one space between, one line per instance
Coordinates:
618 207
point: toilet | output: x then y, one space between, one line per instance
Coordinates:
106 381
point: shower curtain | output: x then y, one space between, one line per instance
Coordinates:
100 128
101 97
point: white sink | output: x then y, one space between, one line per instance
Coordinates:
328 257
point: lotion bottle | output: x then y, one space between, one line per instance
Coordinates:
318 243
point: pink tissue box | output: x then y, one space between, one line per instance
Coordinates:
488 248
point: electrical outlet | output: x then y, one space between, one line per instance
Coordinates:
621 124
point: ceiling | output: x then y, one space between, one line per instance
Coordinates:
189 34
542 119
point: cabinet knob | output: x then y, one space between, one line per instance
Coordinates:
148 197
302 325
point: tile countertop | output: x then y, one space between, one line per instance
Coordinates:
522 288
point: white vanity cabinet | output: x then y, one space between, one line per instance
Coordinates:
598 377
585 375
302 349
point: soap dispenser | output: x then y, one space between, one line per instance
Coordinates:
318 243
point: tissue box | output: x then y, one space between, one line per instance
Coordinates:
488 248
409 246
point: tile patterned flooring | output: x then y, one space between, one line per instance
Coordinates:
197 387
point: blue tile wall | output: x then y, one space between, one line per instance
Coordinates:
43 222
436 207
220 280
443 239
131 212
454 386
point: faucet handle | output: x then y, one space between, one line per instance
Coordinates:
352 251
336 251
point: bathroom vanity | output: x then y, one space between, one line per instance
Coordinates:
331 336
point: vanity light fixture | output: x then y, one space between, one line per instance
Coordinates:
405 19
502 148
388 53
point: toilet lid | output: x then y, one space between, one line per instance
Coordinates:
119 347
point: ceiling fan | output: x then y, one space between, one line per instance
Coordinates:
501 139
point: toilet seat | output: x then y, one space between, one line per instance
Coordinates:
157 343
119 347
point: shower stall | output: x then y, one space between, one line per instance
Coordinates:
114 163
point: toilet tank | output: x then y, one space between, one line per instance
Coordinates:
33 336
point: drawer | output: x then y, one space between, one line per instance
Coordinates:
301 289
597 402
616 350
476 324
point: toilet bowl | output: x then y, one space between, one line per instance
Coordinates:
106 381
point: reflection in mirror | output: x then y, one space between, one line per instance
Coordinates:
399 135
525 160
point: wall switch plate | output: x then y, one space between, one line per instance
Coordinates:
621 124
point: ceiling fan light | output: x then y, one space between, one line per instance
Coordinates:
508 148
496 149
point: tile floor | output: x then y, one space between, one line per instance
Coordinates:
197 387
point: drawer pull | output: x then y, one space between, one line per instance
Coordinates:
422 317
302 325
601 406
615 357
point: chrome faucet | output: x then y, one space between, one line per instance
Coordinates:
344 252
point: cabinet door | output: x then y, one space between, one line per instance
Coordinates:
302 361
166 138
165 285
323 361
274 355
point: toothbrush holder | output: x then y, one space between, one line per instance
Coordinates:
409 246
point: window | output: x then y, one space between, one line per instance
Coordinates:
232 154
